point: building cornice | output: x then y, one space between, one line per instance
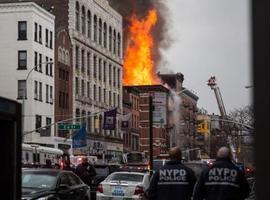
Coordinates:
26 5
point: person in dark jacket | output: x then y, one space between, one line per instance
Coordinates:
173 181
222 181
48 164
85 171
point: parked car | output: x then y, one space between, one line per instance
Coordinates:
53 184
196 166
124 185
103 171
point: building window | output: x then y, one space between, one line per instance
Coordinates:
105 35
22 59
114 42
114 77
114 100
36 61
118 100
48 128
51 39
104 95
118 78
83 20
89 127
22 30
38 123
89 24
77 16
51 94
40 91
110 38
47 66
22 89
104 71
60 100
110 98
99 68
40 34
88 63
77 115
76 86
40 62
82 61
95 66
99 94
51 67
47 93
119 45
36 32
88 89
36 91
100 32
95 28
77 57
47 38
95 94
82 88
110 74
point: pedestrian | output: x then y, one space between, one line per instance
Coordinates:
85 171
48 164
66 165
222 181
173 181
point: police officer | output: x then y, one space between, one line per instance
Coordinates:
85 171
173 181
222 181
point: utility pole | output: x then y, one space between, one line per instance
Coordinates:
151 134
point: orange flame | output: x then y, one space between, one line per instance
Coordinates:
138 63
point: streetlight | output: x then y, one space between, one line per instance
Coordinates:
25 90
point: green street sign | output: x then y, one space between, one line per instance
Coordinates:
69 126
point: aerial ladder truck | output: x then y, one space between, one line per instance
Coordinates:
213 85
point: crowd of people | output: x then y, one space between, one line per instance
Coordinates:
222 181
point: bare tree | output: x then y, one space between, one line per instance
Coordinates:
244 115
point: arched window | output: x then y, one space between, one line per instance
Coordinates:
110 38
95 28
89 24
100 31
77 14
114 42
67 58
59 54
83 20
105 35
119 44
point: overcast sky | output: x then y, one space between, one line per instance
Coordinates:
212 37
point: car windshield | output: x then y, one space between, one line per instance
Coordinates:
35 180
103 171
126 177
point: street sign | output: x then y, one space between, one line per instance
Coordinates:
69 126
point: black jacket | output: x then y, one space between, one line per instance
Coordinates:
86 172
173 181
222 181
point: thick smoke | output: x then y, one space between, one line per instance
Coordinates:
141 7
